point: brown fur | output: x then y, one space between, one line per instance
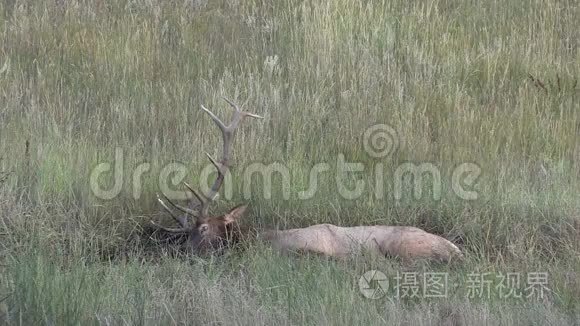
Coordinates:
216 233
407 243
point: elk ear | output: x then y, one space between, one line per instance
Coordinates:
235 214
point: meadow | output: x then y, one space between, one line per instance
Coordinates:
492 85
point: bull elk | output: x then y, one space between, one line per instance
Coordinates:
213 233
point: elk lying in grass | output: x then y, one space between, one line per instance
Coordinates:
212 233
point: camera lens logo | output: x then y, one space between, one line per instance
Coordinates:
373 284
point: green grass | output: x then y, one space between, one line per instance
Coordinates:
80 79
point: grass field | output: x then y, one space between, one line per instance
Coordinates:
492 84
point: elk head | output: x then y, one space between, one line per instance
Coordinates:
209 233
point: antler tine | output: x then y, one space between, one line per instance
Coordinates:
215 119
247 114
218 166
203 201
223 165
170 230
183 209
181 220
232 104
243 113
199 197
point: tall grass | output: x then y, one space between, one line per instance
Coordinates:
491 83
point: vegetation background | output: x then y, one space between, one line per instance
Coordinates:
488 82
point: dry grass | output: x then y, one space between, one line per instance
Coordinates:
490 83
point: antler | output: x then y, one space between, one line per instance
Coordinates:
228 132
